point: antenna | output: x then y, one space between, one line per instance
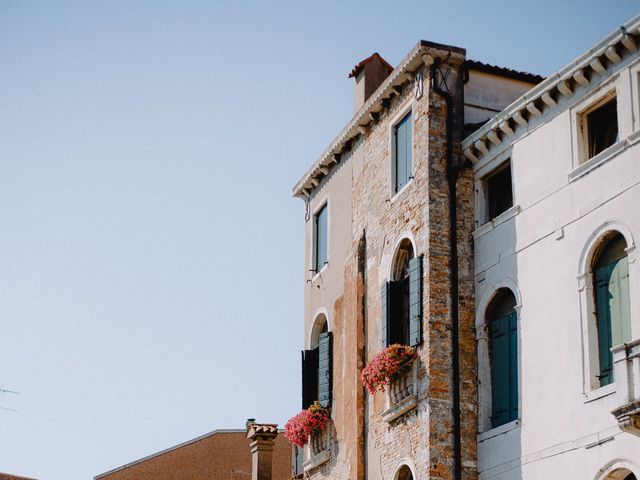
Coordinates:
4 390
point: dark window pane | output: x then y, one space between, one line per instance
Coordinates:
499 193
321 239
403 148
602 127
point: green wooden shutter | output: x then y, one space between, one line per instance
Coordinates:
499 371
603 320
512 325
415 301
503 337
620 307
385 314
324 369
612 313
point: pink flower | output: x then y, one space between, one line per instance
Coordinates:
379 371
308 422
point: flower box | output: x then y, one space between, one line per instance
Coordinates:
386 366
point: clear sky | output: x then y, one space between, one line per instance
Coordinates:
151 254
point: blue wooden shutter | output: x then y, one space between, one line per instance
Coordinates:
499 371
512 325
324 369
503 337
385 314
415 301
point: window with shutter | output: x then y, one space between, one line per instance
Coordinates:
403 163
324 369
320 243
503 352
401 299
611 296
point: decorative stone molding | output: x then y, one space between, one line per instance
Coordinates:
626 364
262 437
402 392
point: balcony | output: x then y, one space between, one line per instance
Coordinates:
626 364
402 392
319 449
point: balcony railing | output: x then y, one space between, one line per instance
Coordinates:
318 451
626 364
402 392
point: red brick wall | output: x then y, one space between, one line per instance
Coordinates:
221 455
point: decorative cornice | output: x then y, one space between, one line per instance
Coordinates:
514 119
422 54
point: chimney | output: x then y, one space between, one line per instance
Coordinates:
369 74
262 437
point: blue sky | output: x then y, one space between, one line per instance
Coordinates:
151 271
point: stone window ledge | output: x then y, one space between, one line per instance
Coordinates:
598 160
316 460
500 219
600 393
494 432
395 411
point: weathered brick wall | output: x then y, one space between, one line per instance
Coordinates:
367 446
222 455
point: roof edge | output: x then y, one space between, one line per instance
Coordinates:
411 64
539 98
170 449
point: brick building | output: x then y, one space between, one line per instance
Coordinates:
6 476
221 454
418 217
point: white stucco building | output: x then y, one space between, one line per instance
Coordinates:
557 176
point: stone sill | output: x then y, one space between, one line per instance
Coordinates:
594 162
502 429
500 219
600 392
316 461
400 408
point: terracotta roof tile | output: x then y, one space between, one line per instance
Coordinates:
358 68
505 72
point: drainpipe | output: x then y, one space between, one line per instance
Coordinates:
452 177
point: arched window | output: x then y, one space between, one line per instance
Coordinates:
502 323
610 269
404 473
317 365
402 299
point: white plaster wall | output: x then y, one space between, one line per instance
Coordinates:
491 93
540 248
